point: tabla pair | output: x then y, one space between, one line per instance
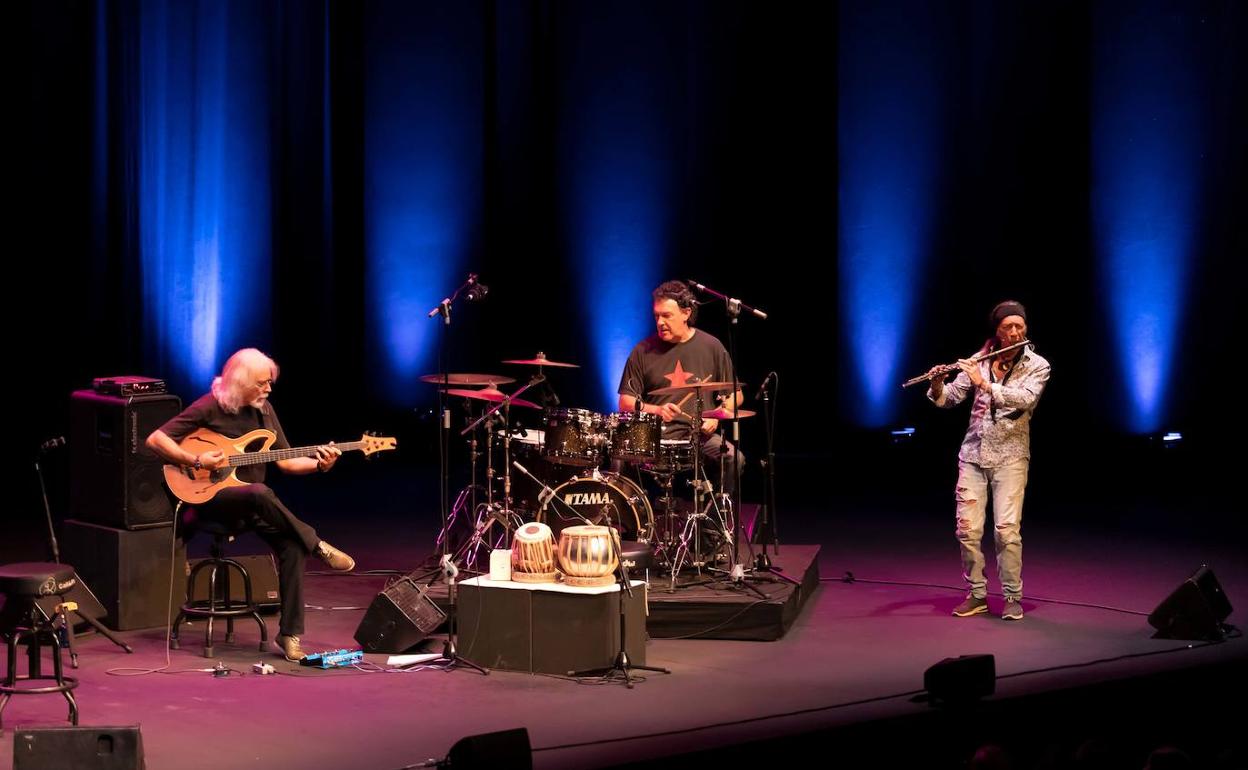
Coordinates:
586 555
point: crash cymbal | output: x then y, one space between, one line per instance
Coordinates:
467 379
726 414
541 360
702 386
490 394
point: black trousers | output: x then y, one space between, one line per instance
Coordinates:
255 508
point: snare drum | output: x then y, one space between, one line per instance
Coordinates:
533 554
587 556
674 455
575 437
635 436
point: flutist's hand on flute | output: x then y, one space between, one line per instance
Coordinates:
937 375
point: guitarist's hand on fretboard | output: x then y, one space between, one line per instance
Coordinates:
326 456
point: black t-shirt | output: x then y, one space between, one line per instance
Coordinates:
655 364
205 412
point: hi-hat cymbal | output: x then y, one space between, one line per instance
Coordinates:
726 414
490 394
702 386
467 379
541 360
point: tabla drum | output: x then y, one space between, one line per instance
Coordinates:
587 556
635 436
575 437
533 554
605 499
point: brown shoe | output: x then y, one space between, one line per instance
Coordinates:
971 606
337 560
1013 609
291 647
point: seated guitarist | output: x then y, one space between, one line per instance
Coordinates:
237 405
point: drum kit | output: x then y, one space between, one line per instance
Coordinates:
589 476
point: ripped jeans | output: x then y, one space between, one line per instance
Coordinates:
1007 484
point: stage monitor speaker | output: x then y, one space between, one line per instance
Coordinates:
1194 610
399 617
961 679
505 748
129 571
78 748
263 573
115 479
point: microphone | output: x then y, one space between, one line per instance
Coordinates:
449 570
735 305
51 444
763 388
477 290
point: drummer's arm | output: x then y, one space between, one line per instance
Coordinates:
628 403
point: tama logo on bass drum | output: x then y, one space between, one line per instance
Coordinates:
587 498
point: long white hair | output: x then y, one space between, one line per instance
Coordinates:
230 388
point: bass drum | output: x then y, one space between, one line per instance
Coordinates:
603 499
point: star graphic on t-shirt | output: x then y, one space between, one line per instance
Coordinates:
679 376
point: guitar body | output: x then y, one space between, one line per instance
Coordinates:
192 486
200 486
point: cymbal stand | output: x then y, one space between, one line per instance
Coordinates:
692 529
505 407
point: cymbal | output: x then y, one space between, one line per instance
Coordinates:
489 394
467 379
726 414
702 386
541 360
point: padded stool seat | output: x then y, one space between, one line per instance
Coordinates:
22 585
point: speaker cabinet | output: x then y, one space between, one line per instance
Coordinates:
961 679
115 479
78 748
1194 610
263 574
399 617
505 748
129 571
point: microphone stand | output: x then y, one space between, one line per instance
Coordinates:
621 664
450 657
443 309
766 528
68 607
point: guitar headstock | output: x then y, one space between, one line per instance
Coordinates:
370 443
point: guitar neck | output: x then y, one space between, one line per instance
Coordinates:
273 455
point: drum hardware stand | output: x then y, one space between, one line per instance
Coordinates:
505 407
621 665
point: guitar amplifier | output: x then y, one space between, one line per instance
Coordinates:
115 480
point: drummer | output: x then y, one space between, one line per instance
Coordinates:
678 354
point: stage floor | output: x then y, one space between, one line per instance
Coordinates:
853 657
